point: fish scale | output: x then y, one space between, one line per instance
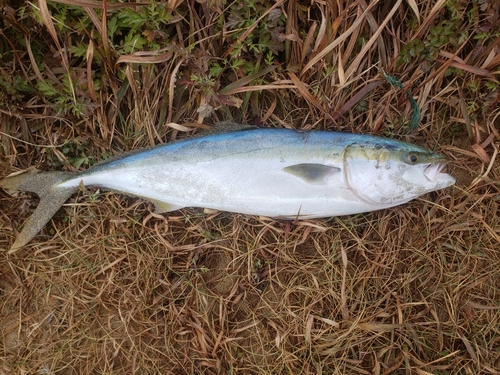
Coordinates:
280 173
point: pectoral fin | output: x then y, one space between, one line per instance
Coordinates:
312 173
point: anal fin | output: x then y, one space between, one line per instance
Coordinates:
161 207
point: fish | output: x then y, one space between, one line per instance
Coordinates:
279 173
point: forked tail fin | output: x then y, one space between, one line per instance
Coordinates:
51 196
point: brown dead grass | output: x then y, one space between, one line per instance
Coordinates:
110 287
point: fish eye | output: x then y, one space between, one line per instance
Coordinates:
412 158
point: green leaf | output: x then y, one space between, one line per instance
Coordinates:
47 89
79 50
246 80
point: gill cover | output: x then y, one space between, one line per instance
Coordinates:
376 174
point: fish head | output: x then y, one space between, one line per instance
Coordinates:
385 172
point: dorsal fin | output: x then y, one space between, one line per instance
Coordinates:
230 127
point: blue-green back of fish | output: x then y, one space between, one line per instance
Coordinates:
270 172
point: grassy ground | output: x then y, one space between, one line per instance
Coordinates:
110 287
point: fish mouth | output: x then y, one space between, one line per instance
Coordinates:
434 172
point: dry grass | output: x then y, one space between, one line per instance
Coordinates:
109 287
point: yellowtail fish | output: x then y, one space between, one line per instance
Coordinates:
279 173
